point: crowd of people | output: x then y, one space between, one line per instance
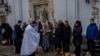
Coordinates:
48 35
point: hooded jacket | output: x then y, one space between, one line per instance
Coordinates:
92 32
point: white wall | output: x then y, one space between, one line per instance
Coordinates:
60 9
15 14
71 12
25 9
85 14
18 13
11 18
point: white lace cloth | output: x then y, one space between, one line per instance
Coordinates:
30 41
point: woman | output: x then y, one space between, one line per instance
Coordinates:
77 40
57 39
46 34
56 35
66 40
50 28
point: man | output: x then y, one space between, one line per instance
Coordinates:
92 36
30 40
19 36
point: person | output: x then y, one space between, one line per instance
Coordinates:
6 33
99 35
0 30
0 34
66 39
40 30
50 29
30 40
19 36
92 36
9 30
24 26
77 40
57 41
62 33
46 33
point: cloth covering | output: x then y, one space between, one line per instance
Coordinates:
30 41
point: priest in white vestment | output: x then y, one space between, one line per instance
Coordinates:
30 40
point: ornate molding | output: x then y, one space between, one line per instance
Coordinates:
95 9
41 2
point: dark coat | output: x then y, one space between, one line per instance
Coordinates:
77 34
39 31
7 30
19 37
18 31
67 33
62 28
39 27
0 30
57 38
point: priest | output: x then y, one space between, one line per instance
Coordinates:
30 40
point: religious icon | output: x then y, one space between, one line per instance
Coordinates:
41 12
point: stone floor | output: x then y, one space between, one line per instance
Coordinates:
9 51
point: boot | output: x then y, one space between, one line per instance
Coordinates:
67 54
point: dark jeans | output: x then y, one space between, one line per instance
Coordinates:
91 47
65 44
17 44
77 50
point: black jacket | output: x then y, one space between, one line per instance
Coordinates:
77 34
8 30
0 30
18 31
67 32
57 33
62 30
